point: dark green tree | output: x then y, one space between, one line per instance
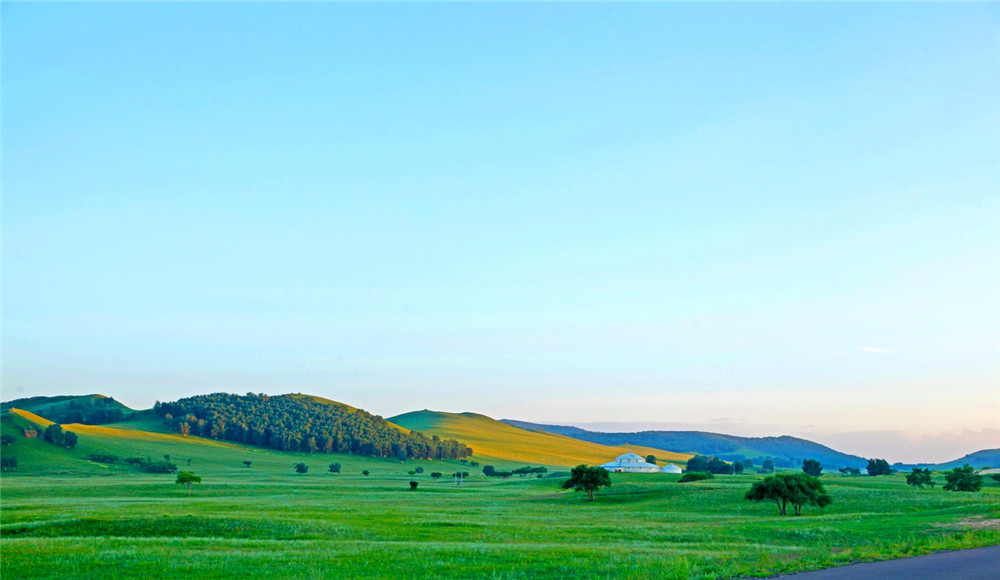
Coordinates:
489 470
301 468
70 439
850 471
413 485
334 468
964 478
738 467
879 467
419 470
797 489
365 473
767 466
8 463
919 478
698 463
186 477
248 464
812 467
588 479
54 434
436 475
6 439
651 459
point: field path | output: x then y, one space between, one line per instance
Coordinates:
974 564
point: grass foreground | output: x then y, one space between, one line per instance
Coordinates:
75 518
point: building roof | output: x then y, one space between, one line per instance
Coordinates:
630 457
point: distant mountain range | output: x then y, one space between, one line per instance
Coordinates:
785 451
980 460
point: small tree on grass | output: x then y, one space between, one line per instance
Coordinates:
334 468
8 463
365 473
919 478
436 475
301 468
413 485
879 467
798 489
186 477
248 464
964 478
651 459
812 467
588 479
767 466
419 470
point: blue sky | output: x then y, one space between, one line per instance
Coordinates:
761 219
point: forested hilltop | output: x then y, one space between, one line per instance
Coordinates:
301 423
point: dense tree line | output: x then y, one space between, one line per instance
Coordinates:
298 423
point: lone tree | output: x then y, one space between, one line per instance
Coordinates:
879 467
413 485
964 478
767 466
188 478
651 459
301 468
812 467
248 464
436 475
919 478
334 468
798 489
365 473
588 479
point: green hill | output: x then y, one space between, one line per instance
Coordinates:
146 438
494 441
981 459
89 409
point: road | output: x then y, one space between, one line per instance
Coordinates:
975 564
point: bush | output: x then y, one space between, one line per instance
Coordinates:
366 473
695 476
419 470
103 457
8 463
6 439
334 468
301 468
413 485
159 467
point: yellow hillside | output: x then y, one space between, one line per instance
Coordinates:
492 440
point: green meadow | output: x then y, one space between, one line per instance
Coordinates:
64 516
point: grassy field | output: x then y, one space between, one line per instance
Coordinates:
63 516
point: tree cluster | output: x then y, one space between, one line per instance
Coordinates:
919 478
695 476
297 423
879 467
798 489
8 463
812 467
54 434
588 479
964 478
709 464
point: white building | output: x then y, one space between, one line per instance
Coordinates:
631 463
670 468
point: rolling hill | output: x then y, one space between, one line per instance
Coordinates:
494 441
786 451
982 459
90 409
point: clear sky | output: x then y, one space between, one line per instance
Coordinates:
757 219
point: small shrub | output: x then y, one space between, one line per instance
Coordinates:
334 468
301 468
413 485
159 467
695 476
366 473
103 458
419 470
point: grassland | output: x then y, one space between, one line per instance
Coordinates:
498 442
64 516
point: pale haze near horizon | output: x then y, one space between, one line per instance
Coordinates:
758 220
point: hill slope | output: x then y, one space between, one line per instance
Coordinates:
492 440
980 459
89 409
786 451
